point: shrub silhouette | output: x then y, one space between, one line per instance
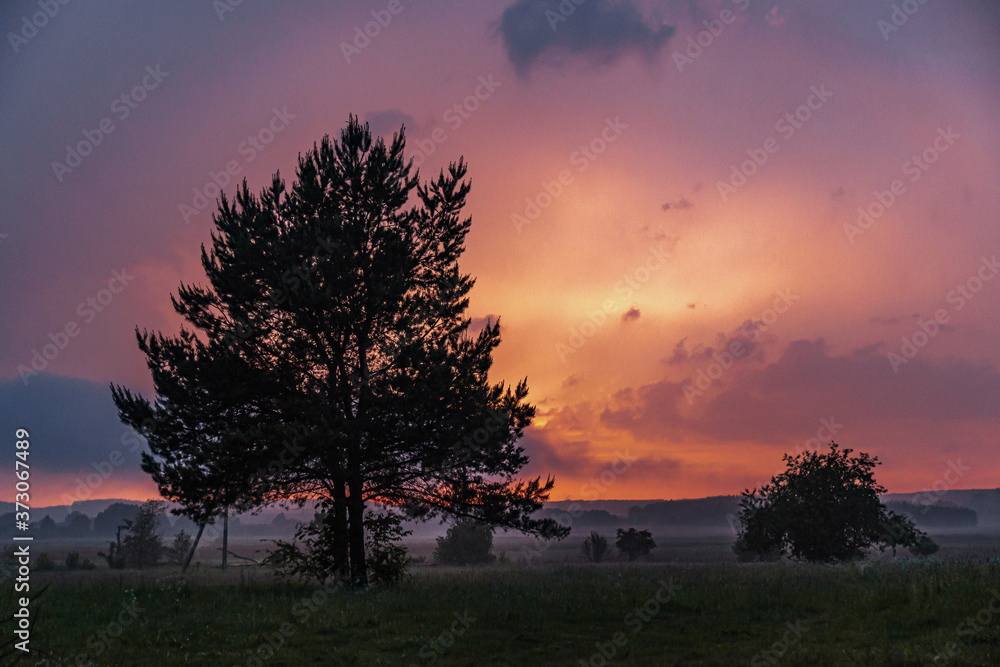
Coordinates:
595 547
468 542
634 543
44 563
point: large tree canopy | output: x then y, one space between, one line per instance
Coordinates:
330 357
823 507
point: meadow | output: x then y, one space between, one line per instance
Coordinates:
691 604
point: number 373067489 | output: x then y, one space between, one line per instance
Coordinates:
23 473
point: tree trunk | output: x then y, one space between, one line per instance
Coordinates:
225 536
187 561
340 531
356 515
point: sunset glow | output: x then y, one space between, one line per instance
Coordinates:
699 263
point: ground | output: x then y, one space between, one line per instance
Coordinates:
691 605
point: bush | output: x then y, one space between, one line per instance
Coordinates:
634 543
924 546
386 557
595 547
467 542
44 563
321 555
73 560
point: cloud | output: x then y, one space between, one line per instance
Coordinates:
631 314
783 401
678 205
73 423
388 121
601 31
577 460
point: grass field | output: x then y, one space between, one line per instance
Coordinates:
902 612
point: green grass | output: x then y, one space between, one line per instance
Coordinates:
887 613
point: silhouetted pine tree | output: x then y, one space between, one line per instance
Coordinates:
338 308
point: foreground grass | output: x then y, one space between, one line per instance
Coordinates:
896 613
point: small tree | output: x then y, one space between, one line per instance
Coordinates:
178 551
387 558
141 545
114 556
595 547
467 542
824 507
634 543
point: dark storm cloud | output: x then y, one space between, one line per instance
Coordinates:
73 424
598 30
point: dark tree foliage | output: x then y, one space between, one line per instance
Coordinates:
106 522
634 543
179 549
467 542
332 359
141 545
595 547
823 507
77 524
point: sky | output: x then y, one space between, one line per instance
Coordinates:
715 231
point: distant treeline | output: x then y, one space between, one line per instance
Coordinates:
938 515
718 512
